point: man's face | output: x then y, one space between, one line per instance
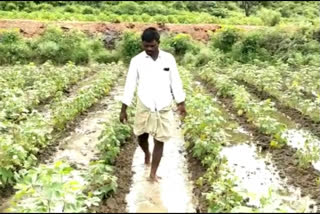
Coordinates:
150 47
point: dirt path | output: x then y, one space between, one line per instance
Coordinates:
30 28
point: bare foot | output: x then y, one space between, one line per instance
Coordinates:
147 159
154 178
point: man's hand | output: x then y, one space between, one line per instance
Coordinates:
182 109
123 114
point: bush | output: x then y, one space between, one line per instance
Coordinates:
181 43
129 46
88 10
44 6
10 7
188 59
56 46
249 49
206 54
13 49
107 57
14 53
159 9
165 43
179 5
225 39
275 41
70 9
270 17
316 35
161 19
129 8
61 47
9 37
218 12
146 17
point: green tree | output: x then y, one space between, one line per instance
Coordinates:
248 6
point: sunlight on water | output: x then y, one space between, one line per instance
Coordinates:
256 179
297 139
173 193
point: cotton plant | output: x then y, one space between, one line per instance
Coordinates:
51 189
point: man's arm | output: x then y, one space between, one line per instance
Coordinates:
129 89
177 88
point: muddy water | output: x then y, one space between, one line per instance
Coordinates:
258 179
79 147
299 139
173 192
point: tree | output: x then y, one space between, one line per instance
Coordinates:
248 5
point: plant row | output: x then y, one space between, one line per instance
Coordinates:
19 144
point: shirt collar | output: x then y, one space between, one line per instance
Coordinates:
159 56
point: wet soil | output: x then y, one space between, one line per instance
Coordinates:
284 159
116 203
5 193
196 171
31 28
47 153
295 115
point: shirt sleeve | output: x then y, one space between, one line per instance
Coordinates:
131 82
176 83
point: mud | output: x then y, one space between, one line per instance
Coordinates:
197 170
5 193
77 144
284 159
116 203
302 120
31 28
257 178
46 154
173 192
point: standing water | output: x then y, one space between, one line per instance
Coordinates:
173 192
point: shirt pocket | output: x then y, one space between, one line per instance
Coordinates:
164 74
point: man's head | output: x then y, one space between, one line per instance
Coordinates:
150 40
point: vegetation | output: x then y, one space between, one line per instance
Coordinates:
225 12
280 60
38 131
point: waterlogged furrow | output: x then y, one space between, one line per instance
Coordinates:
260 184
261 114
204 131
22 142
240 179
290 98
270 80
80 181
19 104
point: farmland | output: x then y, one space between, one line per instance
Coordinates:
249 143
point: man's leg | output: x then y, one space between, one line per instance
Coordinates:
156 157
143 142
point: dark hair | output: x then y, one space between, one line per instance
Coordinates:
150 34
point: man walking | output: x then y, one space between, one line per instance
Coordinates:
155 73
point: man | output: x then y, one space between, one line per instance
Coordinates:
155 72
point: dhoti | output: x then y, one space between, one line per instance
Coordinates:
159 124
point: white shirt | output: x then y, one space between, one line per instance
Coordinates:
154 82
